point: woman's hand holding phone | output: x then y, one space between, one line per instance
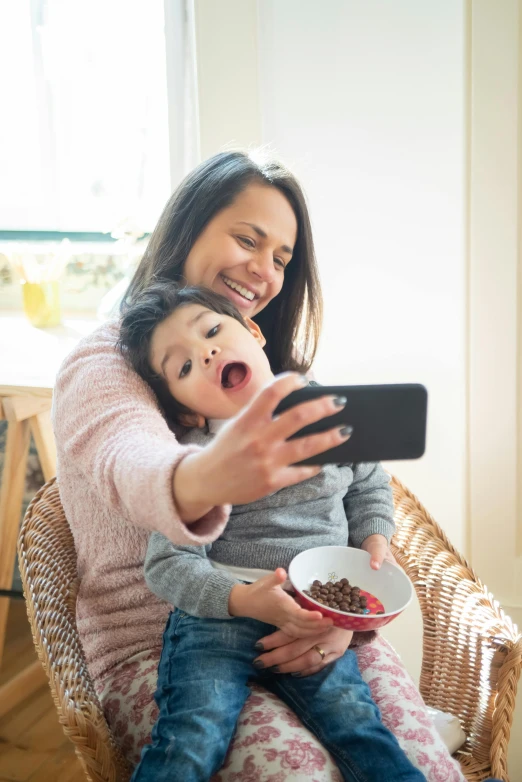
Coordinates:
251 456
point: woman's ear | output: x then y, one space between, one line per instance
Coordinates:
255 331
192 420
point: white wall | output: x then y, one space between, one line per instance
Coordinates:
367 103
496 297
495 310
400 118
227 74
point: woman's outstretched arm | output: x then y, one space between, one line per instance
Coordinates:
110 432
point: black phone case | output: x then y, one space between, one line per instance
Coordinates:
389 422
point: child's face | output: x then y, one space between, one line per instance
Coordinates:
212 364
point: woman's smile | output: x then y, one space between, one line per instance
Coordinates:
244 290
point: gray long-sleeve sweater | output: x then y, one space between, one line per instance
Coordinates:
342 505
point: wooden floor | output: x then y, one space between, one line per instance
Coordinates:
33 747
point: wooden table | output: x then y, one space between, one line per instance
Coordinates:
29 361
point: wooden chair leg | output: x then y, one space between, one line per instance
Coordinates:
21 686
42 432
11 498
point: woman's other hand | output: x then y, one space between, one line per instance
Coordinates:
379 550
266 601
284 654
252 456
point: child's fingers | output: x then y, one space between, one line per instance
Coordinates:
303 625
297 631
377 547
307 627
318 625
377 553
390 558
309 616
304 618
271 580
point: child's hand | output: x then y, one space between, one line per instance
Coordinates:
266 601
378 549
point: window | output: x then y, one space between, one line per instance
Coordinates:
84 137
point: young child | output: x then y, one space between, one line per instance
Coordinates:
205 363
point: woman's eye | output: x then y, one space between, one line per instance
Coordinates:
185 369
213 332
249 242
280 263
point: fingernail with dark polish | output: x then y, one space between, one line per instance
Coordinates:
340 401
346 431
259 647
258 664
297 674
274 669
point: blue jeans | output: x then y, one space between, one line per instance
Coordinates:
202 686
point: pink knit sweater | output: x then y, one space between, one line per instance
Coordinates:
116 459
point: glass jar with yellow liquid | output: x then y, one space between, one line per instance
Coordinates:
42 302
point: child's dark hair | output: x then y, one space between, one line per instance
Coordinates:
148 309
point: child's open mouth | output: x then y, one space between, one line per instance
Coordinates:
235 375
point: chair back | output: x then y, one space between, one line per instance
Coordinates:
48 567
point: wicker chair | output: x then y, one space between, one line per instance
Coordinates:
471 661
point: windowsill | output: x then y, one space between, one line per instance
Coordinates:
42 246
57 236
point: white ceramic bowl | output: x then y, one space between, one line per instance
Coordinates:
390 585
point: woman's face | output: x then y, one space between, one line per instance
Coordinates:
243 251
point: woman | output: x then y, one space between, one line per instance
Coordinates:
242 229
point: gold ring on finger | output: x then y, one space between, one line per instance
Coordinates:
321 652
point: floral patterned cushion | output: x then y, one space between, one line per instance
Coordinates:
271 744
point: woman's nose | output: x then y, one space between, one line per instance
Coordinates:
262 267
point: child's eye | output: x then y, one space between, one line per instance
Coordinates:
185 369
213 332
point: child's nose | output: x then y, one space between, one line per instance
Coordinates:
210 355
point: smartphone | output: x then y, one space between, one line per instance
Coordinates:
388 421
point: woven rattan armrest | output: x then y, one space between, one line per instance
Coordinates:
472 652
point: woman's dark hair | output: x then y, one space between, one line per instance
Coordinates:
291 322
151 307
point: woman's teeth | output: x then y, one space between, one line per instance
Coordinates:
239 288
